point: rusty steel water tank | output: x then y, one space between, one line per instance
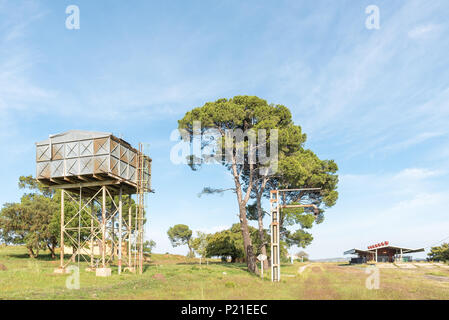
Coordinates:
83 157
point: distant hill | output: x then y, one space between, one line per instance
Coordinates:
340 259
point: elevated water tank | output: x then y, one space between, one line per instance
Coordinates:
90 158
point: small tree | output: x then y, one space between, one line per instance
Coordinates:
303 255
179 235
148 246
199 244
229 243
225 244
439 253
32 221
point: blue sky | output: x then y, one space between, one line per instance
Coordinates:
375 101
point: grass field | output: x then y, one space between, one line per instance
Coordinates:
176 277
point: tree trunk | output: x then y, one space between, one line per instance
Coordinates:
52 250
31 252
247 243
190 254
263 249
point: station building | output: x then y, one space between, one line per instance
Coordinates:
382 252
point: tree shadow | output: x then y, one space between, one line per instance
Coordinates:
190 263
231 265
40 257
146 267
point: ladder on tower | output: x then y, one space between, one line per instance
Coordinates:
275 246
141 189
275 210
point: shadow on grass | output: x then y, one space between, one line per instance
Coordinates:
231 265
40 257
146 267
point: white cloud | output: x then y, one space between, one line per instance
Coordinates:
422 30
417 173
419 138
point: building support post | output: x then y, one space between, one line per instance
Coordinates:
136 238
129 232
62 230
103 271
120 218
79 225
92 208
376 255
103 227
113 248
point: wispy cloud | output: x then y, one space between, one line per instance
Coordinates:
423 30
413 141
367 97
18 91
418 174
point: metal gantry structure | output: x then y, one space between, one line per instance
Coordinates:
94 171
276 197
141 191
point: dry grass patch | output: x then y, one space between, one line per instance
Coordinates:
176 277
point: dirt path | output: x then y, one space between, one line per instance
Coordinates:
317 284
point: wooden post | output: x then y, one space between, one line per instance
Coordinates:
62 229
120 232
261 269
